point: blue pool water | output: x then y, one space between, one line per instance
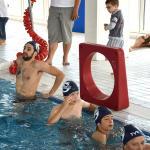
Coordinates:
23 125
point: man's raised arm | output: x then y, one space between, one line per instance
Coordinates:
43 66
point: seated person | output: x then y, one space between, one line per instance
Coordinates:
29 72
104 122
133 139
71 106
141 42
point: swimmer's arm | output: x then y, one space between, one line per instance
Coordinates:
57 112
44 67
55 115
89 106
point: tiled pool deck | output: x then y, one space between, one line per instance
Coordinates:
137 65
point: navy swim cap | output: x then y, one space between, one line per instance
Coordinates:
129 132
69 87
100 112
34 44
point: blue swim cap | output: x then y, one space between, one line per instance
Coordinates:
69 87
129 132
100 112
34 44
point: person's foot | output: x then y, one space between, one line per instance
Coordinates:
3 43
130 49
66 63
1 40
112 73
49 61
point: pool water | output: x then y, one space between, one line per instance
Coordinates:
24 125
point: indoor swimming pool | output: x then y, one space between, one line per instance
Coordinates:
23 125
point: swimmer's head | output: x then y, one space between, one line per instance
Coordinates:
100 112
129 132
69 87
35 46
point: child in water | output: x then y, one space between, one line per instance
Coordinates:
104 122
133 139
71 106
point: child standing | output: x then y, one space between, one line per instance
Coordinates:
116 24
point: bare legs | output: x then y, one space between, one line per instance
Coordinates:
52 49
137 43
66 49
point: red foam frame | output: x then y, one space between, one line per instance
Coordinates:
88 90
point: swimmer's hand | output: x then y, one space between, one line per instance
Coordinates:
47 95
66 102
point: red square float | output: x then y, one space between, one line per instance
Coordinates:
88 90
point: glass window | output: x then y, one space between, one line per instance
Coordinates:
146 16
37 11
15 8
134 15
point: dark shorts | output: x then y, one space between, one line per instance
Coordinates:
146 38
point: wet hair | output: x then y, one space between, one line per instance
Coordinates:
113 2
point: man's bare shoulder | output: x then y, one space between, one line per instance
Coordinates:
39 64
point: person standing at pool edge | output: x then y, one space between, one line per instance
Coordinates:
29 72
62 14
4 16
71 106
116 24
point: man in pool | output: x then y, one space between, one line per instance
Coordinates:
133 139
29 72
104 122
71 106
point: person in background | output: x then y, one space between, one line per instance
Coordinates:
133 139
116 24
62 14
142 41
71 106
4 16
